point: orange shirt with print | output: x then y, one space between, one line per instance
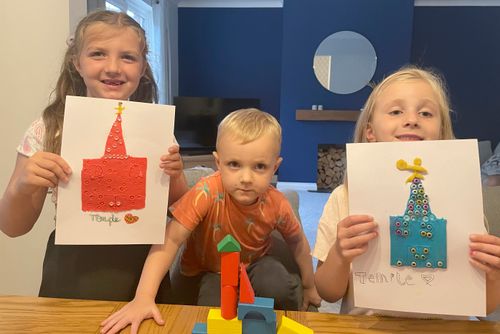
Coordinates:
210 214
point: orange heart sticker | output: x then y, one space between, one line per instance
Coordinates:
130 218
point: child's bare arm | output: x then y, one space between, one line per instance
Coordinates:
332 277
485 255
25 194
178 187
353 235
492 295
302 254
143 305
172 165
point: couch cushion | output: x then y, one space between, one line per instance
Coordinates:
497 149
491 200
194 174
484 150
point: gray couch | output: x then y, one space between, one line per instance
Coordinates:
491 203
486 150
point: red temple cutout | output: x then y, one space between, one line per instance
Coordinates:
116 181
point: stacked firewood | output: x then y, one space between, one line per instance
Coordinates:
331 166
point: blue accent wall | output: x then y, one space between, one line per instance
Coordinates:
387 25
231 52
463 43
268 53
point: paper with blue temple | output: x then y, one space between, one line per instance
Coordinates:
418 238
437 186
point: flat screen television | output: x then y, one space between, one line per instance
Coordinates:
197 119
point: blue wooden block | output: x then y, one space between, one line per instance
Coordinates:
258 326
262 306
199 328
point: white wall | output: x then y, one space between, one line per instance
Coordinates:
33 40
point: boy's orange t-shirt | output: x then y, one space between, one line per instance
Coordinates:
211 214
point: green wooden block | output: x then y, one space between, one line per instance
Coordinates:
228 244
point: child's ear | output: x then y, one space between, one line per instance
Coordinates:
277 164
76 63
216 158
369 134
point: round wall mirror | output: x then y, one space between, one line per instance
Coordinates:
345 62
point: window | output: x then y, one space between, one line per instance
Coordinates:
150 20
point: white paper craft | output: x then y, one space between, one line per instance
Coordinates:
453 185
121 195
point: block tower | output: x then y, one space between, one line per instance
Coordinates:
418 238
251 315
116 181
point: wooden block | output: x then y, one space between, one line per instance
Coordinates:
289 326
199 328
228 244
262 306
229 301
216 324
229 267
258 326
247 295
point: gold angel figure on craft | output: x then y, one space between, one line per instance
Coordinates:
417 169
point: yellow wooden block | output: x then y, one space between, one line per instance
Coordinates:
216 324
289 326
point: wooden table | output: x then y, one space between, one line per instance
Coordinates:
51 315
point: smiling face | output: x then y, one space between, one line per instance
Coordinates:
247 169
405 111
110 61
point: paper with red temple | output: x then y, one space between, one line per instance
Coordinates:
117 193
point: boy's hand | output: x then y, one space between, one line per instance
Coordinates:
311 297
133 313
43 169
485 254
353 234
171 163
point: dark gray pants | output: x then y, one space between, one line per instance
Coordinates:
107 272
268 276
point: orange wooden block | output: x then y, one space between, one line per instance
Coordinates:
229 301
247 295
229 268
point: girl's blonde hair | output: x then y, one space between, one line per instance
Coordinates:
71 83
407 73
247 125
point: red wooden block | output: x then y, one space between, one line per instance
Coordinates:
247 295
229 302
229 268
